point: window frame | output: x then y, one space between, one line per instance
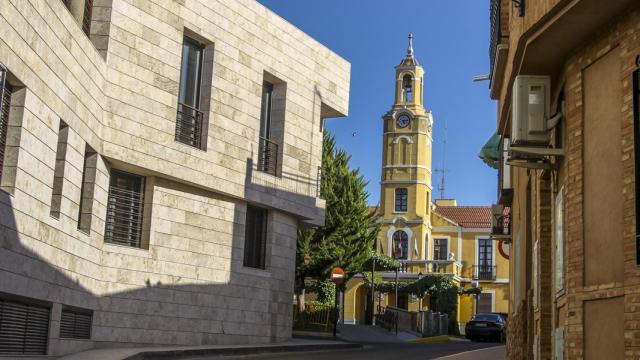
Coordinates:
6 90
403 202
190 118
111 218
403 244
256 238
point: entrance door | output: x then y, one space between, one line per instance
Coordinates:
485 302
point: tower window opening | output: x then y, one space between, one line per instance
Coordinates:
400 245
407 88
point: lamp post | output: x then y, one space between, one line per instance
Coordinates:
420 293
474 284
373 290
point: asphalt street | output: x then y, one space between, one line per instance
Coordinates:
444 351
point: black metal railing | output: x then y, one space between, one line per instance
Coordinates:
189 125
494 14
268 156
502 223
5 103
387 319
484 272
319 182
124 217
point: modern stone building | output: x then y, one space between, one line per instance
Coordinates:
156 159
566 77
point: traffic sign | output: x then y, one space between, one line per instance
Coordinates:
337 276
503 249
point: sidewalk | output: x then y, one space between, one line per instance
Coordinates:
175 352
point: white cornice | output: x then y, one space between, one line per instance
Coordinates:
487 231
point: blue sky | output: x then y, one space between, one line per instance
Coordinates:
451 43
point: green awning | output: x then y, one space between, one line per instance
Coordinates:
490 152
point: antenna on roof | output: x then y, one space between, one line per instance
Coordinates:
442 170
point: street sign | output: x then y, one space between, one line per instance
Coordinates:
337 276
503 249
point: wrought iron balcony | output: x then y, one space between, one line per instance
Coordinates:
501 224
268 156
484 272
189 125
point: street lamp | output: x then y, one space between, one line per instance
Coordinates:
474 284
420 293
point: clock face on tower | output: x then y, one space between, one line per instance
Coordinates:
403 120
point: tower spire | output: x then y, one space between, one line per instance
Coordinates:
410 48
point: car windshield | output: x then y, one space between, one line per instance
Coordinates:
486 317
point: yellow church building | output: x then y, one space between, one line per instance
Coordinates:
426 236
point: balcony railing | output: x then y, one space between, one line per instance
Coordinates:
268 156
502 223
431 267
124 217
484 272
189 125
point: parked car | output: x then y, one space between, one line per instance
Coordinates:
486 326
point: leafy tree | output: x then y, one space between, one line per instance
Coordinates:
348 237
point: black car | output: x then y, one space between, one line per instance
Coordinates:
486 326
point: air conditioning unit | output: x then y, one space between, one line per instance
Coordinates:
531 103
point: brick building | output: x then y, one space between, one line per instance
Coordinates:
569 186
156 160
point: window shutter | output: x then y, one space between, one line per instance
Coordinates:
75 325
24 328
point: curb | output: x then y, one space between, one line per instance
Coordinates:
173 354
431 340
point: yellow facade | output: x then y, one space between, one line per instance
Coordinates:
412 228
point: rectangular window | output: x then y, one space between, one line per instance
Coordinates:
439 249
86 16
5 103
75 324
24 328
268 149
125 206
558 235
87 189
402 199
190 118
58 173
485 270
255 237
271 131
636 140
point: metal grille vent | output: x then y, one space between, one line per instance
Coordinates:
75 325
24 328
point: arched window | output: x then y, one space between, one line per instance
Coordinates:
407 88
400 245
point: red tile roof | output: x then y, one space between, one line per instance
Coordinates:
467 216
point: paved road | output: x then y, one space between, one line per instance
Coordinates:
444 351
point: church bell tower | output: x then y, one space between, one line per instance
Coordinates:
405 195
